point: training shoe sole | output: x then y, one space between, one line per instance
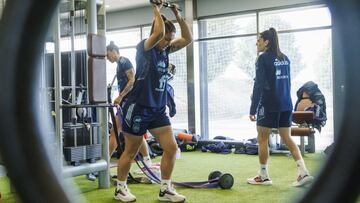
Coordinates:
116 198
164 199
253 182
303 182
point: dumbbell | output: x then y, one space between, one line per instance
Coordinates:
225 181
166 4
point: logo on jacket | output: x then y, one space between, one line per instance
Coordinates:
277 62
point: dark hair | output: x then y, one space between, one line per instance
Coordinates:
169 26
273 46
112 47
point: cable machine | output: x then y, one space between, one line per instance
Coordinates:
80 120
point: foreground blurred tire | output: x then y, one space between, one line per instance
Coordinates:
23 27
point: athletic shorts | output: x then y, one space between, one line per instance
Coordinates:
274 119
138 119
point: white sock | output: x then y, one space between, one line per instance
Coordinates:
121 184
165 184
301 167
147 160
264 171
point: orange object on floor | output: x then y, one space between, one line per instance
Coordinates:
185 136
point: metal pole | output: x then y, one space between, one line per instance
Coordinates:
189 16
91 16
204 116
72 65
85 168
101 113
57 85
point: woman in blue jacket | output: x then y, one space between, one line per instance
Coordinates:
271 106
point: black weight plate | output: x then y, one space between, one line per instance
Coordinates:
226 181
213 175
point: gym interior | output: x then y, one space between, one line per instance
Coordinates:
57 112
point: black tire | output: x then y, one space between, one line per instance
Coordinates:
23 28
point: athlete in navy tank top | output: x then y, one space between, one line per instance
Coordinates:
144 107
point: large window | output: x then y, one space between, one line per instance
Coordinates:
65 44
228 52
296 18
227 26
230 65
228 58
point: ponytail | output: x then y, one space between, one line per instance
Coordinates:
112 47
273 46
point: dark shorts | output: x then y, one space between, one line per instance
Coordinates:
274 119
138 119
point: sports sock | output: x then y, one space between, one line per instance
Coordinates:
121 184
301 167
165 184
264 171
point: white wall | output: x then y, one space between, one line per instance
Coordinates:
144 15
214 7
135 17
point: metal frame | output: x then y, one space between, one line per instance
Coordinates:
102 165
189 16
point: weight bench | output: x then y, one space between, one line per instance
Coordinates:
302 125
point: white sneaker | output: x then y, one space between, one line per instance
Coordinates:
258 180
303 180
124 195
169 194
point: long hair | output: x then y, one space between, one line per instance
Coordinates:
169 26
112 47
273 45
